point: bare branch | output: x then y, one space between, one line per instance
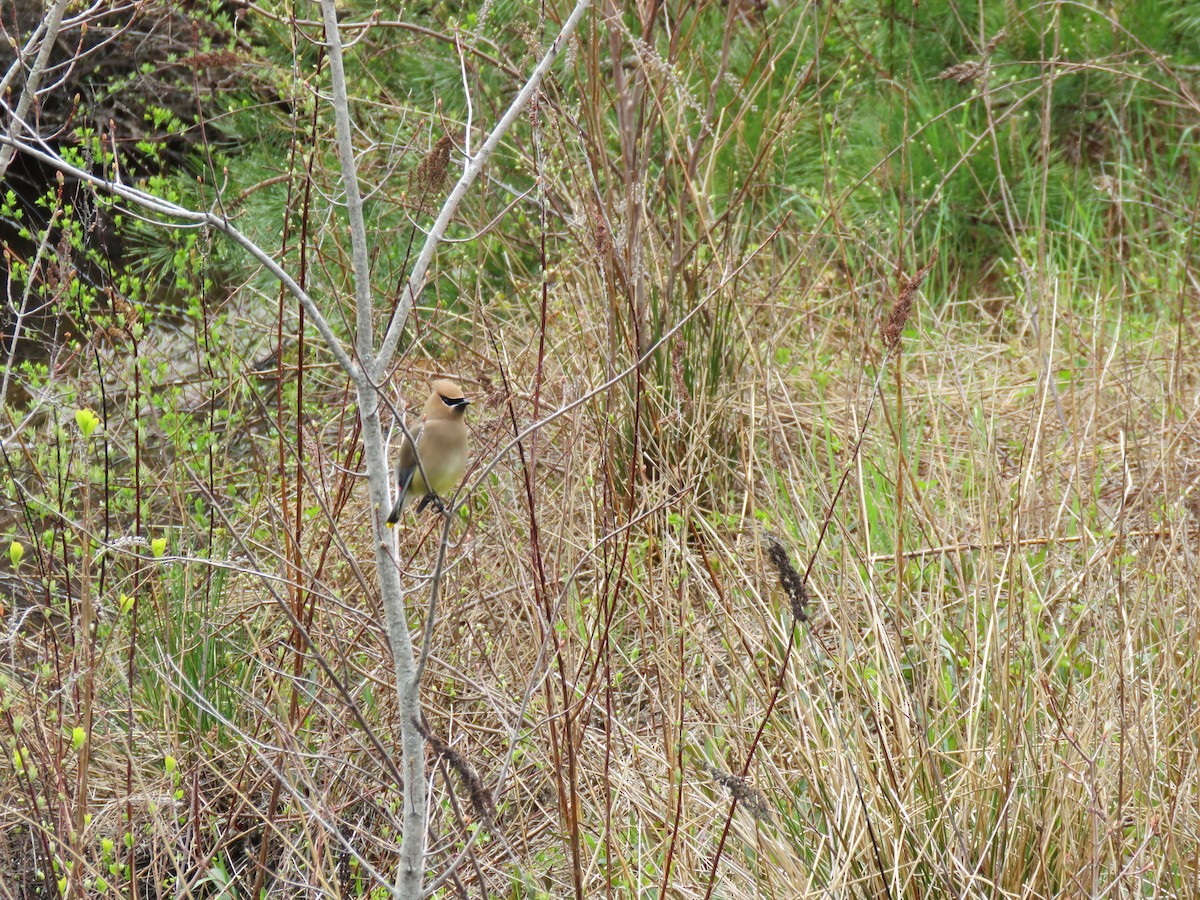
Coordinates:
52 23
209 220
416 280
364 340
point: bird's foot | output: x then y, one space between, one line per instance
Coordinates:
432 500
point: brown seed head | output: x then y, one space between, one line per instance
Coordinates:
482 801
742 791
966 71
790 580
970 70
902 308
430 174
601 235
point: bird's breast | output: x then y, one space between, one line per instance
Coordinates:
447 472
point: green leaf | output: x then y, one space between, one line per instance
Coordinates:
87 421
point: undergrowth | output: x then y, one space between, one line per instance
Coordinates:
832 595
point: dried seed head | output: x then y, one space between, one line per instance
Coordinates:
973 69
481 799
743 792
677 376
790 580
601 235
902 308
430 174
966 71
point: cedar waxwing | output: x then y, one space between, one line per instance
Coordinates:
442 448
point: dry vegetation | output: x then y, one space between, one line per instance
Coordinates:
877 577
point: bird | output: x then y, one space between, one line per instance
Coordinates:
441 448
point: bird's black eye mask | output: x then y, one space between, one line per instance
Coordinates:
454 402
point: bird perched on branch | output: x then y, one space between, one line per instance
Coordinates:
440 457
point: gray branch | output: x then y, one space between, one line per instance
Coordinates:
49 28
416 280
359 254
161 207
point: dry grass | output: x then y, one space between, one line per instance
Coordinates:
1007 715
990 697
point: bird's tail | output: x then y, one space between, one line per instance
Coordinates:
404 479
397 508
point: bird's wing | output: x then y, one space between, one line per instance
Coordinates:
406 465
